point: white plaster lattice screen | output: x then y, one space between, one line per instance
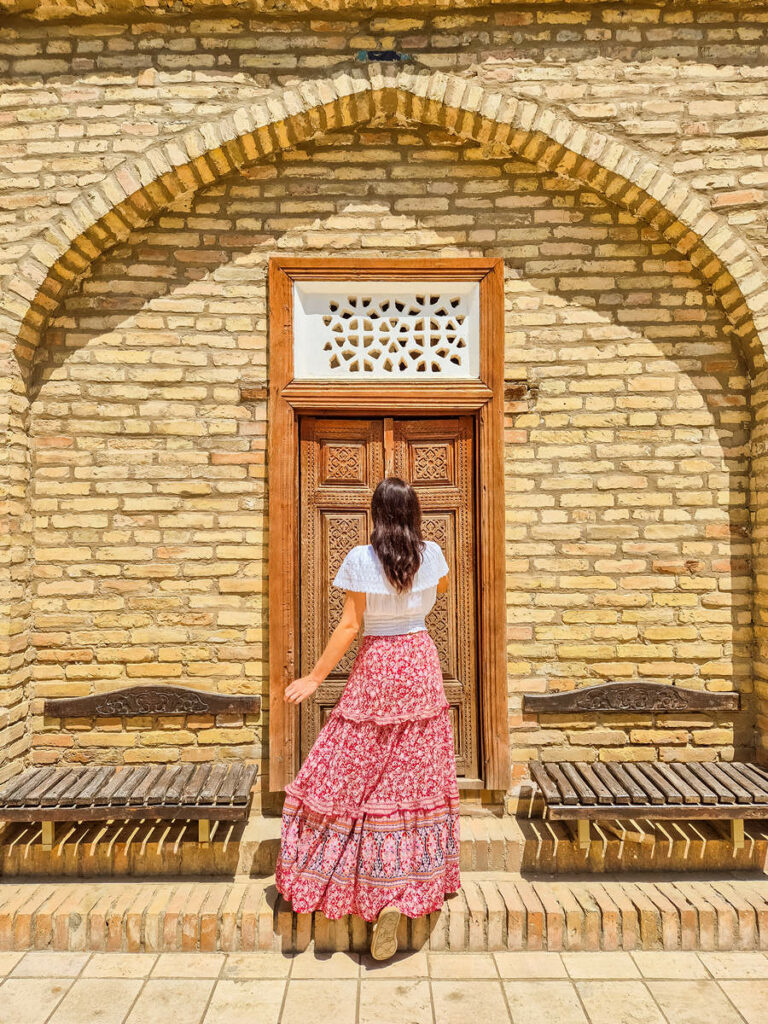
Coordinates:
368 330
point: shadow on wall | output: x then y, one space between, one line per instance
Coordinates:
627 522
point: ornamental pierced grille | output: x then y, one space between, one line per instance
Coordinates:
385 331
370 333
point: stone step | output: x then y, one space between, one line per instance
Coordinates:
488 843
492 911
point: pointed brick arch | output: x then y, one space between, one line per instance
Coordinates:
135 192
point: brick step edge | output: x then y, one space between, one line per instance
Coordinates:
491 912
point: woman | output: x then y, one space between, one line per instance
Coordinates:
371 821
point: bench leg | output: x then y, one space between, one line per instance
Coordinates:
49 828
737 833
204 832
584 840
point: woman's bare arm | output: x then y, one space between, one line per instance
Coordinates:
442 584
340 641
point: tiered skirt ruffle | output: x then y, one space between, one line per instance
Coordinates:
372 818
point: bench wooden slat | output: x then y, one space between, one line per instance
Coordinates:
160 786
683 786
596 784
104 796
192 790
213 784
638 795
237 789
51 797
247 778
651 794
227 791
740 793
34 796
90 787
759 793
21 781
139 795
756 772
618 793
545 783
706 793
174 791
709 793
37 777
578 781
669 791
567 792
130 780
724 795
70 795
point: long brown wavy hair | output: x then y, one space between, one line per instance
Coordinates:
396 537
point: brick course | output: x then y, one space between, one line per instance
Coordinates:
490 912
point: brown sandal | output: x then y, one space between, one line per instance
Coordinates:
384 941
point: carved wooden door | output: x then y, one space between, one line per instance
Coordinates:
342 461
436 458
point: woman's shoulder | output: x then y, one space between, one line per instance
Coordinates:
362 557
432 549
360 551
360 570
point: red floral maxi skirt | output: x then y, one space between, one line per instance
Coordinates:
372 818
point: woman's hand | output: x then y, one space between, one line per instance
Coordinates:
301 688
340 642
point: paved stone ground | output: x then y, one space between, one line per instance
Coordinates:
413 988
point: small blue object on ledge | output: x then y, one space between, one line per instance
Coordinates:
382 56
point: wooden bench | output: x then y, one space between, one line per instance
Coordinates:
203 793
610 790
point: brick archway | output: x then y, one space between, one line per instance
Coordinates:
139 189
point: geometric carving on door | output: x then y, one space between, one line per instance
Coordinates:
432 463
435 528
342 463
342 532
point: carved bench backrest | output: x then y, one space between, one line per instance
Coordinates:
152 700
629 697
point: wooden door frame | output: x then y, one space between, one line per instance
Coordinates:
288 399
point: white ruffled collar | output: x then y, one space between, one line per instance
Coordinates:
363 571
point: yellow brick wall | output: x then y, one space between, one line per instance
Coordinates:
137 551
626 468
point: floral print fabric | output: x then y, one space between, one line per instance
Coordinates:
372 817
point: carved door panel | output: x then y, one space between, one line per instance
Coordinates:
436 458
342 461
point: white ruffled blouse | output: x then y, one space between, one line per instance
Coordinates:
387 612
